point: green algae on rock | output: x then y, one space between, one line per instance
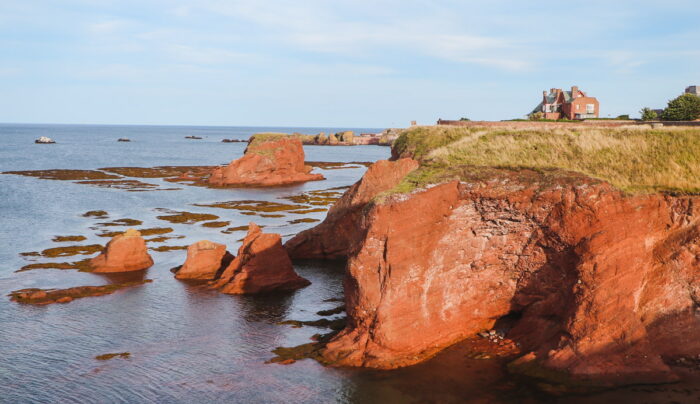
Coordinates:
68 251
186 217
166 248
108 356
47 296
98 214
61 239
121 222
65 175
216 224
82 265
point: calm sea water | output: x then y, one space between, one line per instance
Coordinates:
189 344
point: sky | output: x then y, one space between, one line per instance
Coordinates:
339 63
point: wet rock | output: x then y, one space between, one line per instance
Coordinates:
61 239
205 261
262 265
126 252
123 139
108 356
44 140
269 160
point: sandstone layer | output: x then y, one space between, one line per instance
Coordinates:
205 261
125 252
262 265
268 161
599 286
341 232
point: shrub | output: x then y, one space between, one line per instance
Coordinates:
464 119
536 116
685 107
625 117
648 114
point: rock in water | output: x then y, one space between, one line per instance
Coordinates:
341 232
268 161
205 260
44 140
262 265
125 252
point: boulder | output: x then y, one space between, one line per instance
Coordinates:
262 265
268 161
205 261
125 252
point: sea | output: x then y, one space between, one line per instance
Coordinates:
188 343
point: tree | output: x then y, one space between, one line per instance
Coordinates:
464 119
683 108
648 114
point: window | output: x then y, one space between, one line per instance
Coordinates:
577 106
590 108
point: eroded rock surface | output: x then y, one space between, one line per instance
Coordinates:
205 261
598 286
125 252
339 234
278 161
262 265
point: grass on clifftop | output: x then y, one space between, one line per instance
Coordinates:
633 159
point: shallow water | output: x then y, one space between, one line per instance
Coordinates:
189 344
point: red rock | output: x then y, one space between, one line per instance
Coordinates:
37 295
204 261
262 265
125 252
602 286
64 299
279 161
340 233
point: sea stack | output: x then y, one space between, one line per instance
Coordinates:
269 160
205 261
125 252
262 265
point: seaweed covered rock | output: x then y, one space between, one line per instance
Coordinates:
342 231
262 265
125 252
205 261
269 160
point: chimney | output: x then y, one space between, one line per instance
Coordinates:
574 91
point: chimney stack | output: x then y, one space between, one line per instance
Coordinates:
574 91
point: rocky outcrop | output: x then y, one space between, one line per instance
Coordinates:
268 161
342 231
205 261
598 286
262 265
50 296
125 252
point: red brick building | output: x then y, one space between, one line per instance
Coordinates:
574 104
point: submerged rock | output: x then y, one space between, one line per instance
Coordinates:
205 261
49 296
262 265
269 160
125 252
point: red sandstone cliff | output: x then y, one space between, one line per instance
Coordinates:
262 265
338 235
125 252
602 286
279 161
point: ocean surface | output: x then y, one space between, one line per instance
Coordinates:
189 344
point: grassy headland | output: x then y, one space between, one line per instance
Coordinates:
633 159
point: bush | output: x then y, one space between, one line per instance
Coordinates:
464 119
536 116
683 108
648 114
625 117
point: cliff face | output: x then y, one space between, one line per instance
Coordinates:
277 161
596 284
339 235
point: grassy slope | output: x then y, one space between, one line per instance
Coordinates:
634 159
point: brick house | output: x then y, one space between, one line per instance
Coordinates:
574 104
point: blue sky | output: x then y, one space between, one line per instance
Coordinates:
335 63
